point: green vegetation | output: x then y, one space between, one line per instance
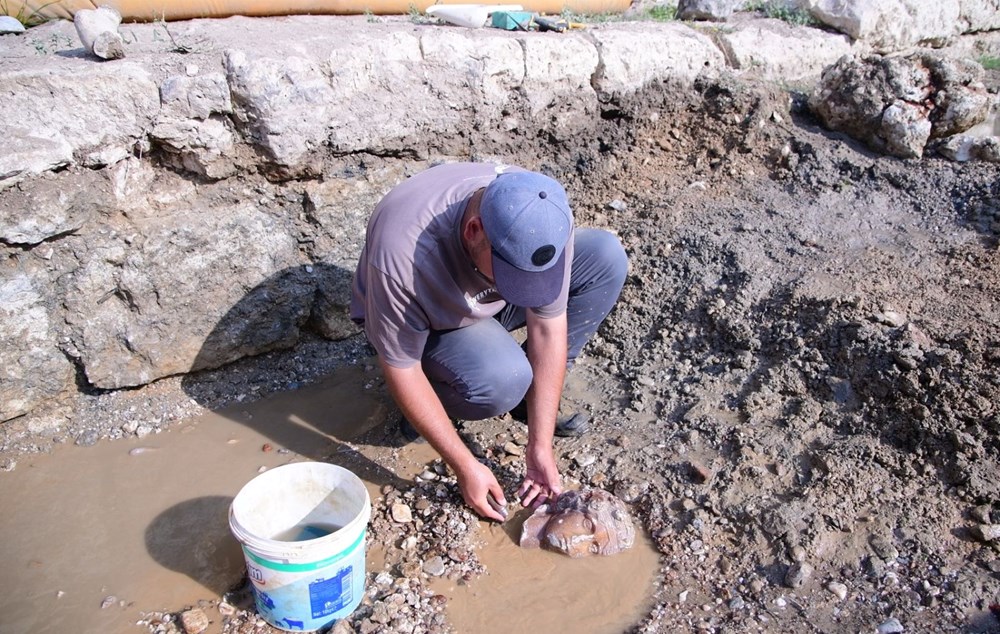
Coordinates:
779 11
661 13
34 18
989 62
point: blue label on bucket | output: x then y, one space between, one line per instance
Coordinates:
326 596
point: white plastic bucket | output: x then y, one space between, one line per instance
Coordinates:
313 578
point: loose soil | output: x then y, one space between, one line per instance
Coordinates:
798 392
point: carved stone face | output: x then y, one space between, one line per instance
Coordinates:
581 523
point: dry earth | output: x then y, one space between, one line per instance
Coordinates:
799 391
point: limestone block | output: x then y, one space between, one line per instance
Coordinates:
390 100
26 150
32 368
57 114
284 104
557 74
201 146
196 97
493 68
891 25
776 50
979 15
639 53
42 208
187 287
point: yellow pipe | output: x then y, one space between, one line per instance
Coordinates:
147 11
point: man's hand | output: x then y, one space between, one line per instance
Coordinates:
541 478
477 482
421 406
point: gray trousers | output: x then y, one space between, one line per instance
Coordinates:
481 371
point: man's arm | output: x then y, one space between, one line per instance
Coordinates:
421 406
547 349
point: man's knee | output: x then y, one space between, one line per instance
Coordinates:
603 259
613 256
503 383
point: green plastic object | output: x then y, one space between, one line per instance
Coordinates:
512 20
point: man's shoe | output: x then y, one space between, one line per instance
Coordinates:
569 426
408 431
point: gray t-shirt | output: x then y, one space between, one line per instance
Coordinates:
414 276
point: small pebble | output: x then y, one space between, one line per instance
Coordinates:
513 449
194 621
838 589
401 513
87 438
892 626
585 460
986 532
434 566
737 603
108 601
981 513
798 574
698 472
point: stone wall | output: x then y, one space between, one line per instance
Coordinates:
205 198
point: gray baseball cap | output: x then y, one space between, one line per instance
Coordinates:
527 218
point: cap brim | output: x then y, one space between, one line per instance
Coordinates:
530 289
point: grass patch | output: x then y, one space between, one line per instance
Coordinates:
989 62
661 13
796 16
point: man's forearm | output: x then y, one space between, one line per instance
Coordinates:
420 404
547 349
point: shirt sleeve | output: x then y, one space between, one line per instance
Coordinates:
395 324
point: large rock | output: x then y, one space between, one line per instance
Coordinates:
57 114
32 369
896 104
185 287
891 25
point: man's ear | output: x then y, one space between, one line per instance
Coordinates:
473 231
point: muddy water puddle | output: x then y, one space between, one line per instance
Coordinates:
94 537
531 590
